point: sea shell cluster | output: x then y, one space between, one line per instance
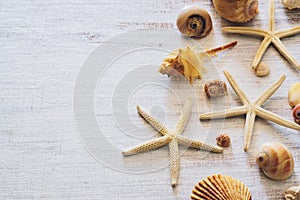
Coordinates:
237 10
218 187
291 4
275 160
215 88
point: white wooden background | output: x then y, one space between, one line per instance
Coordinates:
43 46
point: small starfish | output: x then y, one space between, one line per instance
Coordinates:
251 109
171 137
270 36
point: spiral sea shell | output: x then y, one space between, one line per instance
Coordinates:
275 160
194 21
237 10
296 113
291 4
220 187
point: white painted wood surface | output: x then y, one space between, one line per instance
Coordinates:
43 46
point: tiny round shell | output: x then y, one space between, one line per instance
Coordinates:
223 140
291 4
262 70
296 113
294 94
240 11
215 88
275 160
193 21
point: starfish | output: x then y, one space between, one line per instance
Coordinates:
251 109
270 36
172 138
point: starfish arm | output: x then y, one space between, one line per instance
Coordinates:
281 48
198 144
183 120
236 88
261 51
272 16
289 32
250 118
270 91
152 120
276 119
174 161
225 113
147 146
246 31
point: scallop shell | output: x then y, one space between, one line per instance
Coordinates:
291 4
237 10
275 160
294 94
293 193
220 187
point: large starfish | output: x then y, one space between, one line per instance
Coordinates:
270 36
251 109
171 137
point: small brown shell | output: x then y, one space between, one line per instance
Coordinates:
237 10
223 140
275 160
193 21
262 70
215 88
220 187
294 94
296 113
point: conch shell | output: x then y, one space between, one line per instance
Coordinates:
188 62
220 187
275 160
293 193
291 4
237 10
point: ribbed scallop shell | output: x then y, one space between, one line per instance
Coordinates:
237 10
220 187
291 4
275 160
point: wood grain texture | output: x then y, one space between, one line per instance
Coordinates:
43 45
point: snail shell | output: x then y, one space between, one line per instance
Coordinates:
294 94
291 4
194 22
237 10
275 160
296 113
